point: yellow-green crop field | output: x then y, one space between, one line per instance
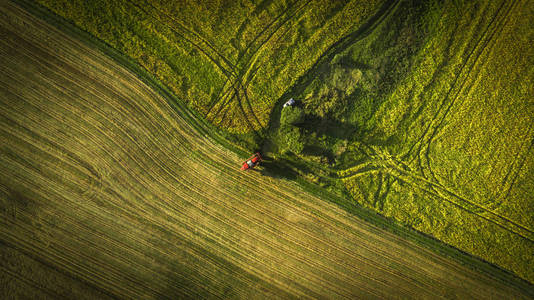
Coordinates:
456 134
229 60
420 111
109 191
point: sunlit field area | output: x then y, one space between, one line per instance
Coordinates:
420 110
404 169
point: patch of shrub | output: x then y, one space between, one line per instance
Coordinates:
291 115
291 139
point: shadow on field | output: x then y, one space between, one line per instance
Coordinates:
331 127
314 150
277 169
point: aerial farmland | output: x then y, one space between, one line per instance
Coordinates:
385 147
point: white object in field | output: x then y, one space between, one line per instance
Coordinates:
291 102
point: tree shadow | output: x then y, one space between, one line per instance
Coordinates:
315 150
345 131
330 127
346 61
278 169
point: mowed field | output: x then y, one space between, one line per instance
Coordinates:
419 110
106 191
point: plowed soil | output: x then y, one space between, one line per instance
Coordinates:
106 191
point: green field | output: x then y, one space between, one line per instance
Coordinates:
437 130
420 110
231 61
110 188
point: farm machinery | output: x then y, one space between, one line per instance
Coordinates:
253 161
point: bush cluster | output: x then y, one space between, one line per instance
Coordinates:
291 115
291 139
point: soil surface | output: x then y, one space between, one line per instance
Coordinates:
106 191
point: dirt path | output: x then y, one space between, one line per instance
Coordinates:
104 185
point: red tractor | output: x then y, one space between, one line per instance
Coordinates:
253 161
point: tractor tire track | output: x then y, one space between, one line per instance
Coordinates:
261 33
383 162
427 88
490 39
223 93
227 71
387 9
442 111
221 103
239 80
237 74
496 30
510 182
173 224
247 64
241 108
229 65
419 142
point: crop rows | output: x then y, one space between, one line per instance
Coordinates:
109 187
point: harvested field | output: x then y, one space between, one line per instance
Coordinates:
106 191
418 110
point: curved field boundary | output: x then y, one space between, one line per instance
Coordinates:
285 207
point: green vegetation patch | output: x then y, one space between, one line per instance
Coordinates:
428 119
229 60
419 110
